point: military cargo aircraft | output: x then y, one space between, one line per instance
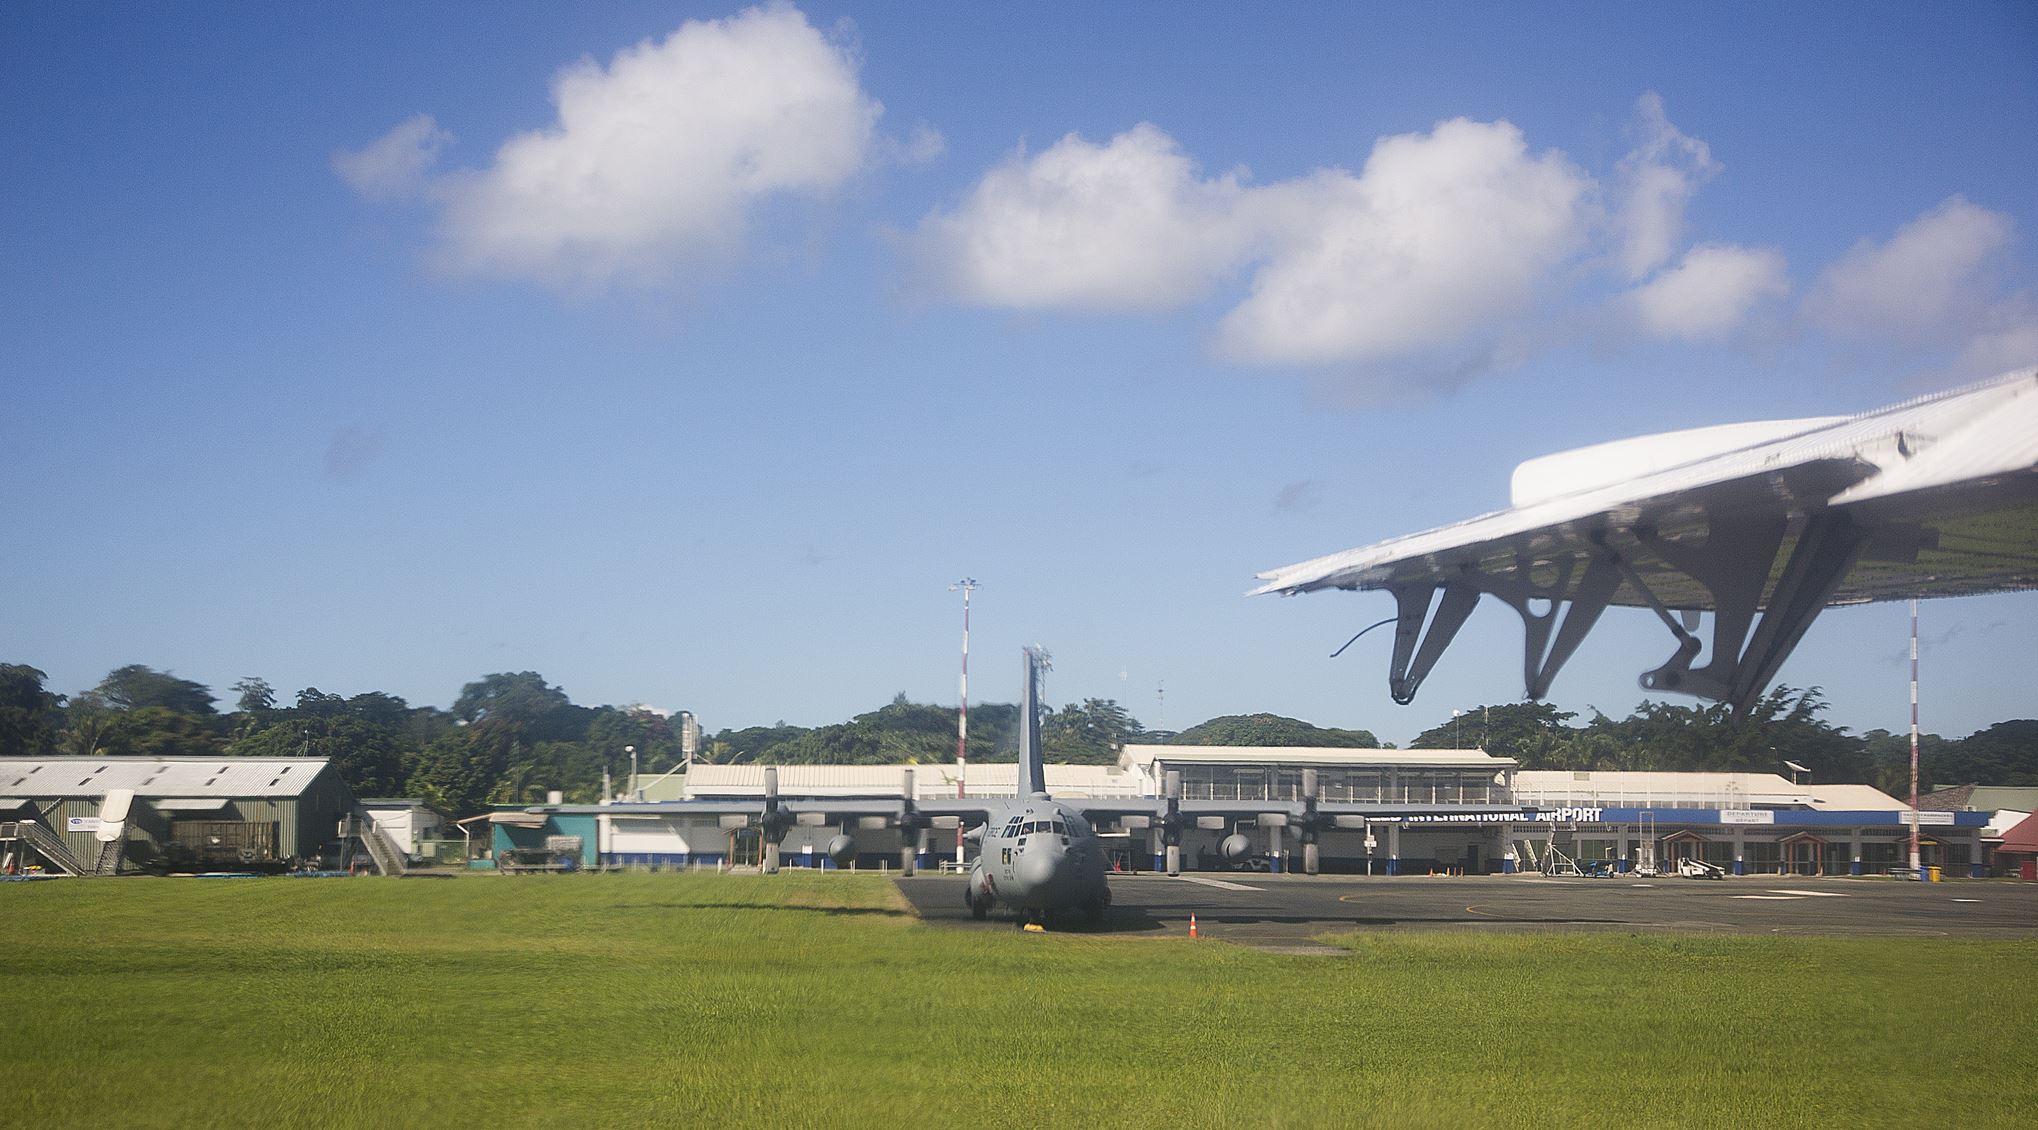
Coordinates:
1759 526
1040 856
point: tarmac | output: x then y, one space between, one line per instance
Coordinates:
1287 912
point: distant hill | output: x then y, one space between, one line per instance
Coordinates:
1273 730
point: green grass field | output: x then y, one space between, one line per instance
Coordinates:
817 1000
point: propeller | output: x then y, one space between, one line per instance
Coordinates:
1311 825
775 822
1172 821
913 825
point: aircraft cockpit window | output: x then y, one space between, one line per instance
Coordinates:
1060 828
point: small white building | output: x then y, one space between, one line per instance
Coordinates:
405 820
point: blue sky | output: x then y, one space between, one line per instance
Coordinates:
685 354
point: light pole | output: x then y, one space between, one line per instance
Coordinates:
967 585
1917 863
632 751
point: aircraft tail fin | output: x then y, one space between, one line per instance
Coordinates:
1032 762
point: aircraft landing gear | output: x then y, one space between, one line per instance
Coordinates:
979 908
1094 909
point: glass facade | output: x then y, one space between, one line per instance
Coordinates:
1205 781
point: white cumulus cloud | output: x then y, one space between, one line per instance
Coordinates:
1656 181
1710 293
658 158
1430 258
1929 281
1126 225
397 164
1440 237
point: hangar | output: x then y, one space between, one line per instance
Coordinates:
1509 818
100 815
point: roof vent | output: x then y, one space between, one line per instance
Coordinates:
210 780
280 772
274 783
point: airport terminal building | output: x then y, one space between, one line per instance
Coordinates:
1508 819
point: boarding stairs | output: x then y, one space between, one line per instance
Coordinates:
387 857
45 843
1555 862
1645 849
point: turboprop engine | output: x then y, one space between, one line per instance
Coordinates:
842 849
1235 847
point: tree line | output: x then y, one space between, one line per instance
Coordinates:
510 737
1783 726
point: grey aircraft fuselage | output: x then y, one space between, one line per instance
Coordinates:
1038 856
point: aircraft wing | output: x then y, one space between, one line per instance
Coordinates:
1758 525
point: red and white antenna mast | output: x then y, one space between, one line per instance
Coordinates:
967 585
1916 863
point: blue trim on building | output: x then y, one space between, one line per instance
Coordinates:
1783 818
653 859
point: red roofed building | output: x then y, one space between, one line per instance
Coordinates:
2020 846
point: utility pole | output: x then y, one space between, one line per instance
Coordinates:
967 585
1917 871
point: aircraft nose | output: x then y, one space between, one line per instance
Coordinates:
1037 866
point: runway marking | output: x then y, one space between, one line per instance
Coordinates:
1768 898
1642 886
1811 894
1218 883
1966 900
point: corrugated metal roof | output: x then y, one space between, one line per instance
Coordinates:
1852 798
160 777
930 782
1627 788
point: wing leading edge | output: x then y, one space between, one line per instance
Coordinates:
1760 528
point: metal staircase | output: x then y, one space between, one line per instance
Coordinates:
44 843
110 855
387 857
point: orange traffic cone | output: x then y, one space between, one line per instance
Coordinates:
1192 925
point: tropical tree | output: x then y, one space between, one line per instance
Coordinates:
30 716
1533 733
1088 733
157 731
256 695
135 686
